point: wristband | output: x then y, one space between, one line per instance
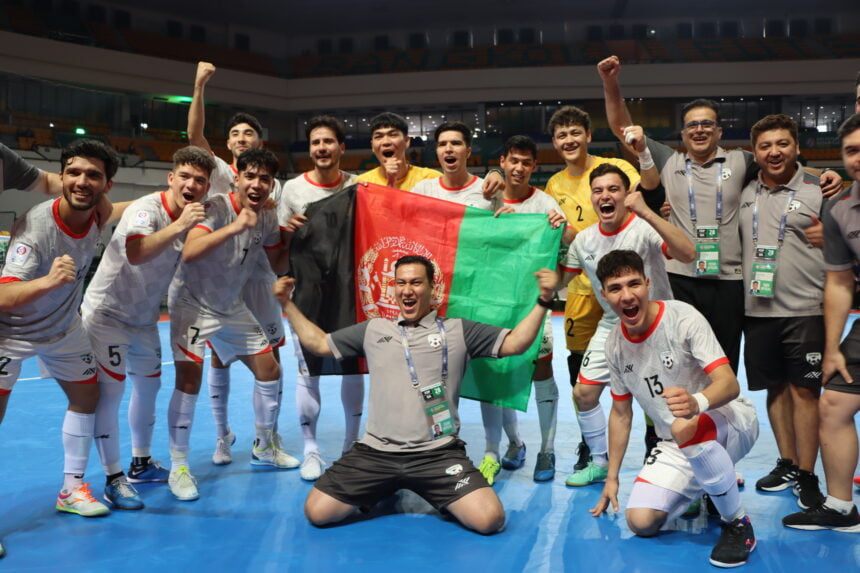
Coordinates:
702 401
544 303
645 160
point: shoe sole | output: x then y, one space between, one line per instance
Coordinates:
263 463
781 487
65 509
730 565
512 465
187 498
145 480
841 529
543 478
117 506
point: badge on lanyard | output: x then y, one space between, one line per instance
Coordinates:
438 413
441 422
763 278
707 250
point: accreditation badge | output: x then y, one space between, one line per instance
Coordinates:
763 280
707 250
441 422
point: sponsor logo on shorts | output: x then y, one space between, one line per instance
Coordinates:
853 235
462 483
628 368
454 470
258 238
813 375
88 357
89 371
435 341
272 328
813 358
667 359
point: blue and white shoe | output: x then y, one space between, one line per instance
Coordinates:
545 467
514 457
122 495
148 472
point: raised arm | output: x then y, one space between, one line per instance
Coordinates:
617 113
196 111
201 241
17 293
310 335
678 246
142 249
521 337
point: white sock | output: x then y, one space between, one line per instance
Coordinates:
840 505
77 438
219 394
546 398
265 404
592 424
180 417
352 398
511 427
141 413
715 472
106 428
280 399
308 407
492 416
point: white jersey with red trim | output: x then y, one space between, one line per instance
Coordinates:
132 293
37 239
470 194
301 191
679 349
536 202
215 281
593 243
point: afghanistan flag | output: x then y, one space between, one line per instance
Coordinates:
343 260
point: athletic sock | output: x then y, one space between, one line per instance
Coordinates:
492 417
511 426
141 413
180 417
265 409
546 398
77 438
106 428
840 505
592 424
219 395
715 472
352 398
308 407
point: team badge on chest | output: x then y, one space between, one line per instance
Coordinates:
435 341
667 359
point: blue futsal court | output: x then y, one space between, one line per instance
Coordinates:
250 519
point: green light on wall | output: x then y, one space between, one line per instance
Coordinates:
179 99
80 131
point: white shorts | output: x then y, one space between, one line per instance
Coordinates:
594 368
68 358
668 467
120 348
261 301
545 352
237 334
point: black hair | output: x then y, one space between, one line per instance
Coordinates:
616 263
92 149
417 260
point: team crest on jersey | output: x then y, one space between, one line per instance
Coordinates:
257 238
667 359
435 341
794 206
813 358
376 275
141 218
727 173
19 254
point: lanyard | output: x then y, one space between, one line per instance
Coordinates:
782 220
413 374
689 172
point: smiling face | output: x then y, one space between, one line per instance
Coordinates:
628 297
241 138
518 166
851 154
186 184
325 150
776 155
571 142
701 133
84 182
607 198
413 291
389 142
253 186
452 152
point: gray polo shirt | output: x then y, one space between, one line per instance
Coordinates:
15 173
395 419
799 284
731 167
842 231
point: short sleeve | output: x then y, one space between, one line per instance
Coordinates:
16 173
483 340
348 342
572 262
617 387
22 261
837 253
142 221
660 153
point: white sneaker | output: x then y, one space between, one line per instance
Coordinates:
272 454
81 501
312 467
222 455
183 484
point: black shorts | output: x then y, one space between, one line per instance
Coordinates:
722 304
364 476
850 348
783 349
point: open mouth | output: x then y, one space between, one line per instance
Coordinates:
388 153
188 196
255 198
450 160
409 303
607 208
630 311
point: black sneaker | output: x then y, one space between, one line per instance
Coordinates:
823 517
583 453
737 541
783 476
807 491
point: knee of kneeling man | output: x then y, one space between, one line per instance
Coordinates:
491 522
643 523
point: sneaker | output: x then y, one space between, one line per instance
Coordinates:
583 453
736 542
489 468
740 478
693 509
783 476
823 517
149 471
592 473
222 455
312 467
183 484
807 491
81 501
515 457
122 495
545 467
272 455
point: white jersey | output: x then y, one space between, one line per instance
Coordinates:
37 239
132 293
679 349
301 191
593 243
469 194
537 202
215 281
